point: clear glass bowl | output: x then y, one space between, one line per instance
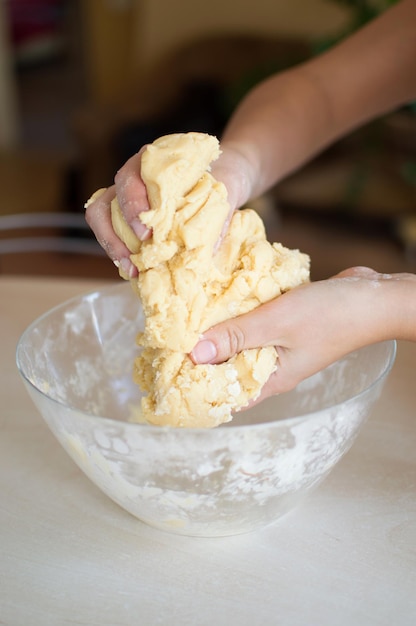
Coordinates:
76 362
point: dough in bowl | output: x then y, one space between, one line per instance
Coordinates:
186 286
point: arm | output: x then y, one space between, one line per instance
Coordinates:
315 324
288 118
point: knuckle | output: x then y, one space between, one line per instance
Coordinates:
235 339
362 271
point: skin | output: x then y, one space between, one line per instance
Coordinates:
281 124
315 324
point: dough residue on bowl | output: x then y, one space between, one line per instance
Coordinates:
186 286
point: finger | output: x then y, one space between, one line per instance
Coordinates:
269 389
98 217
283 379
274 385
252 330
224 230
132 196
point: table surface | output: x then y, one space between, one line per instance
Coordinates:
69 555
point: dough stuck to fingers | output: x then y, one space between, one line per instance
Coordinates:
185 287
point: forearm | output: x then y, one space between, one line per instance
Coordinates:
292 116
400 306
364 307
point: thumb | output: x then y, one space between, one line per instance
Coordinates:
251 330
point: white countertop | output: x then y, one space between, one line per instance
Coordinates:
69 555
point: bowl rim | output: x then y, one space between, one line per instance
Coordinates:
155 428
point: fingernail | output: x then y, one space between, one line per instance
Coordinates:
126 267
140 230
204 351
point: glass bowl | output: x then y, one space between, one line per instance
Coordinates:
76 362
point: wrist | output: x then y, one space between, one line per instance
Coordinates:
372 306
401 298
236 168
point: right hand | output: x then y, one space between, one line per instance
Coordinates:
232 168
132 197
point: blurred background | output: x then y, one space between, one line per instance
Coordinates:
85 83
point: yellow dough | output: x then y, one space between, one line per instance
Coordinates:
186 287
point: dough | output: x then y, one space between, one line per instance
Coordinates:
186 287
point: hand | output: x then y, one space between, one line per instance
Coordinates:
313 325
232 168
132 196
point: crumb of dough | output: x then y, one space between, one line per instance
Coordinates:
186 287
